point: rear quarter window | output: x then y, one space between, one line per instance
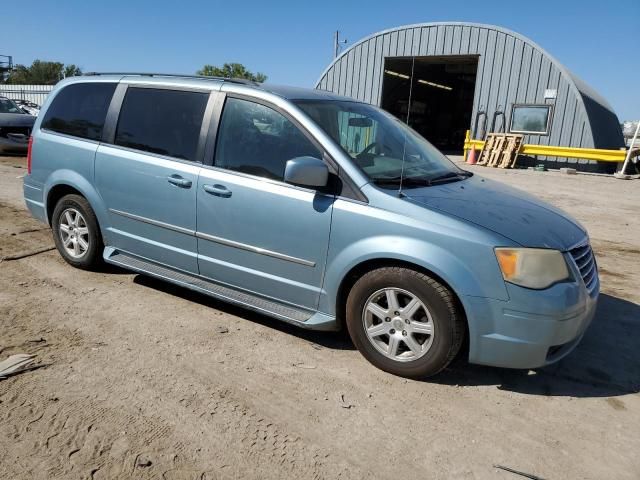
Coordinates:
80 110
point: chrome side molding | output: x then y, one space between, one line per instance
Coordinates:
156 223
213 238
251 248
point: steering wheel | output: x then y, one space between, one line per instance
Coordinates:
371 146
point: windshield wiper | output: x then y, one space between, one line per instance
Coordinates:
422 181
406 181
450 177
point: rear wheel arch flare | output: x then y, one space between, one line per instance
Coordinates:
56 193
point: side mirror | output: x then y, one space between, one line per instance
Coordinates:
306 172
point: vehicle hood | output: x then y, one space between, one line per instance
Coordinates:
505 210
16 120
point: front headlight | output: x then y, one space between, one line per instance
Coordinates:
532 267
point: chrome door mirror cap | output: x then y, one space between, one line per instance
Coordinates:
306 172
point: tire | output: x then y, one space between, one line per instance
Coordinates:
67 209
432 325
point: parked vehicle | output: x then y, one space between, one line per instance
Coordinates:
313 209
31 108
15 127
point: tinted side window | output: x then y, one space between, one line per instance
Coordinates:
161 121
258 140
80 109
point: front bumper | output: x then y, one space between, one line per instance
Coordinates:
533 328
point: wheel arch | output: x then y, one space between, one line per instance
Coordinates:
358 270
65 182
55 194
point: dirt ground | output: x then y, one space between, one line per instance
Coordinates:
146 380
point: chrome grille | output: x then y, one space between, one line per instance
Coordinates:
586 263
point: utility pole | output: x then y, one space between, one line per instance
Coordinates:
337 42
6 65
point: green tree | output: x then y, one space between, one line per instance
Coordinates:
232 70
41 73
71 70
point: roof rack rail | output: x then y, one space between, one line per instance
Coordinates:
244 81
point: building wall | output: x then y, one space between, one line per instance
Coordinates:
511 69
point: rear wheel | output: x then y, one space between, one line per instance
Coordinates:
76 232
404 322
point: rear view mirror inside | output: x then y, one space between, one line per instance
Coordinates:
360 122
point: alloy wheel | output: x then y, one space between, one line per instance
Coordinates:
398 324
74 233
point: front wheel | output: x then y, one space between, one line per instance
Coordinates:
404 322
76 232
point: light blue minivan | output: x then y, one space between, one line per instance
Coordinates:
313 209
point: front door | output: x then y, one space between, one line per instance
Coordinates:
148 178
256 232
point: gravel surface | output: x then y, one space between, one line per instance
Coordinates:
148 380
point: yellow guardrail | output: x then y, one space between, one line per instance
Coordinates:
568 152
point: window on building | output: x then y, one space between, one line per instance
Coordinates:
166 122
533 119
258 140
80 109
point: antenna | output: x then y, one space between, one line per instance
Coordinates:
337 42
404 146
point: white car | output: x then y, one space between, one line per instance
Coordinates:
28 107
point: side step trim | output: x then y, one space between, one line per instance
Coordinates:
283 312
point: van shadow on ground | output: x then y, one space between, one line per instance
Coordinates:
332 340
605 364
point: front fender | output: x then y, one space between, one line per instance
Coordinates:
480 278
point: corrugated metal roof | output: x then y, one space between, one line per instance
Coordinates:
511 69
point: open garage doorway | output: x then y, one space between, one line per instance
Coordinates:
434 94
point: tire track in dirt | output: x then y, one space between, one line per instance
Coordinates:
245 439
66 431
20 233
80 433
77 435
63 437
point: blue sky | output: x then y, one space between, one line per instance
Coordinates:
291 41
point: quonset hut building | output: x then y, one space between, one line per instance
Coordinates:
447 78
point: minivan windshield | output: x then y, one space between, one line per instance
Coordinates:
378 143
9 106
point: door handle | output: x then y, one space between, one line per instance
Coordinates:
217 190
179 181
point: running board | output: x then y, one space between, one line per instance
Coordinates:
297 316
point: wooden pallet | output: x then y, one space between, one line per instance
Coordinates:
500 150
